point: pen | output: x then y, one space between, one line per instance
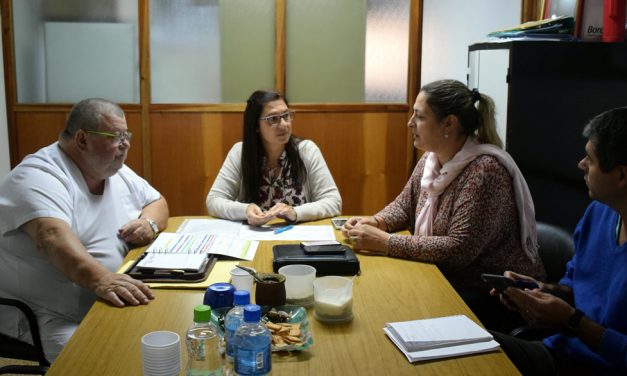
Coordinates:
283 229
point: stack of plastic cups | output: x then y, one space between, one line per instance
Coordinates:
161 353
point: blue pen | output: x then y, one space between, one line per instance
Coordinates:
283 229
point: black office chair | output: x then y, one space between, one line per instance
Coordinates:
556 248
15 349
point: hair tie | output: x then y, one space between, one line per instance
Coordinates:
475 95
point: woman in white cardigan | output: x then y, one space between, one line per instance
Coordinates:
272 174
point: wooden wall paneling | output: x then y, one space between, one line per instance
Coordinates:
9 78
279 44
188 151
34 130
363 154
135 159
144 85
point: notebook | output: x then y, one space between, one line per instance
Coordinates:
439 337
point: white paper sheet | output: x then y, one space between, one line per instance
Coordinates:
209 226
444 352
227 245
298 232
438 332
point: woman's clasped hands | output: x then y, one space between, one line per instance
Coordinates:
256 216
365 236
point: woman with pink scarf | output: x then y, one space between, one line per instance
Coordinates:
467 204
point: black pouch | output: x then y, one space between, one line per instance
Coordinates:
343 263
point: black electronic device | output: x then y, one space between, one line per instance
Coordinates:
322 248
501 282
338 222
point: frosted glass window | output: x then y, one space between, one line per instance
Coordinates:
210 51
352 51
387 51
67 50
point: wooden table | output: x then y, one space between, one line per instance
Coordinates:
107 342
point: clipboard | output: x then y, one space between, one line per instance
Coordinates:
171 275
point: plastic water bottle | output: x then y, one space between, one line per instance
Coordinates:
252 344
203 356
234 318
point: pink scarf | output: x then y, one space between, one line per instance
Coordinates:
436 178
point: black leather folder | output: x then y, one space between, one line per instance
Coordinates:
172 275
343 263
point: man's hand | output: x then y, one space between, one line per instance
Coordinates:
137 232
121 288
539 308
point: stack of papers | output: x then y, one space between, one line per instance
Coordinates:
256 233
225 245
439 337
173 261
558 28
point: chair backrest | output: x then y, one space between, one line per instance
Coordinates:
15 349
556 248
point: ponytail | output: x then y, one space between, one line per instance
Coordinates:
486 132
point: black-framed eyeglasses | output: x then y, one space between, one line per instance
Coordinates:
117 137
274 120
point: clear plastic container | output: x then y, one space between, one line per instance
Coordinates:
299 284
234 318
333 299
252 344
203 353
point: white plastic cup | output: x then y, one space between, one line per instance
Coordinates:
333 299
299 284
241 279
161 353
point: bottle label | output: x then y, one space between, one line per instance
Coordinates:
250 362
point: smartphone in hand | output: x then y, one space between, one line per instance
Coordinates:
501 282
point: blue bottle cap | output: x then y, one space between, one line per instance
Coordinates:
241 297
219 295
252 313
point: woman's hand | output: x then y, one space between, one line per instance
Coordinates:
367 237
282 211
354 221
256 216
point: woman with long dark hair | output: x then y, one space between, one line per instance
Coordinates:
272 174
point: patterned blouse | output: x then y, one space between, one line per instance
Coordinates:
279 187
476 228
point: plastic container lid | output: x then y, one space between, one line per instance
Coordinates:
202 313
252 313
241 297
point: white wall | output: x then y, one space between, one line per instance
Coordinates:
450 26
5 163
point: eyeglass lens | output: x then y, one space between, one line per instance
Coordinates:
275 119
119 137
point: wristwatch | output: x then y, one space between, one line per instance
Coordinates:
570 329
153 226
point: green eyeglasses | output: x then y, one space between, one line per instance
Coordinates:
117 137
274 120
